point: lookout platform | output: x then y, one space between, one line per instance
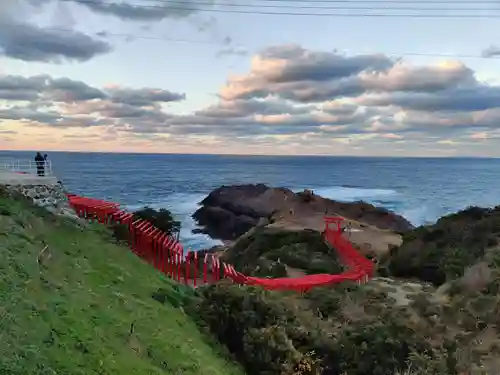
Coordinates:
24 172
15 178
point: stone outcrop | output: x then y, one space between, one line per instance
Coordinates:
229 211
52 197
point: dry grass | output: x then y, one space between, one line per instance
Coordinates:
477 277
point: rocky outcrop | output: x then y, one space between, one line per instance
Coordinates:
51 197
230 211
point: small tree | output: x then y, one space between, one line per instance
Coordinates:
162 219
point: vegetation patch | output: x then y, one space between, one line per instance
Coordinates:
441 252
161 219
268 252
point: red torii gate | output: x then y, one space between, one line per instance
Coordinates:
333 220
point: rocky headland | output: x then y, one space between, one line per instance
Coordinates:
230 211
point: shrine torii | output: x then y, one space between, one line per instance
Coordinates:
333 220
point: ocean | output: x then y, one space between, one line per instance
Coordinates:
420 189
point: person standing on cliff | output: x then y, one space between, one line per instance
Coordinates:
46 163
40 164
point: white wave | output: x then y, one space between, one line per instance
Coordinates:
387 198
182 207
348 194
421 215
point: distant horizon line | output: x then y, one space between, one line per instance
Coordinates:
258 155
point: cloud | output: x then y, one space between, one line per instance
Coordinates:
474 98
291 99
293 92
491 51
291 72
29 42
145 96
233 51
23 40
62 102
141 12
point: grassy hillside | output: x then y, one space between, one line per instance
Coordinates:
90 306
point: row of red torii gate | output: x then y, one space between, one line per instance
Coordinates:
168 256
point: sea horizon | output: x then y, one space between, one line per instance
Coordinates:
258 155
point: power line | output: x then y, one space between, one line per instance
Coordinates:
341 15
242 5
285 6
220 44
398 2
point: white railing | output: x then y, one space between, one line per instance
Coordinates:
27 166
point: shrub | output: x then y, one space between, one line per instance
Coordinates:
268 250
441 252
120 232
162 219
378 349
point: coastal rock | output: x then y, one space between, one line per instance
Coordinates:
229 211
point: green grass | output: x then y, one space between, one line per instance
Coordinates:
73 314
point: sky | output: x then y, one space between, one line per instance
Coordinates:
196 76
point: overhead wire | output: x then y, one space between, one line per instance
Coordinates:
263 12
397 2
285 6
221 44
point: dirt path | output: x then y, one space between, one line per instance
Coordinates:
369 239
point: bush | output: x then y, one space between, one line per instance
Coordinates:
378 349
268 250
161 219
253 324
441 252
276 333
120 232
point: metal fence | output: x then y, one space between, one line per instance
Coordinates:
26 166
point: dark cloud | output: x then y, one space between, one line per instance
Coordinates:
474 98
243 108
294 73
143 97
62 102
32 43
67 90
41 87
318 66
27 114
44 87
18 88
140 12
491 51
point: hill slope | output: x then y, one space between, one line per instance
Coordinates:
388 326
88 307
443 251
